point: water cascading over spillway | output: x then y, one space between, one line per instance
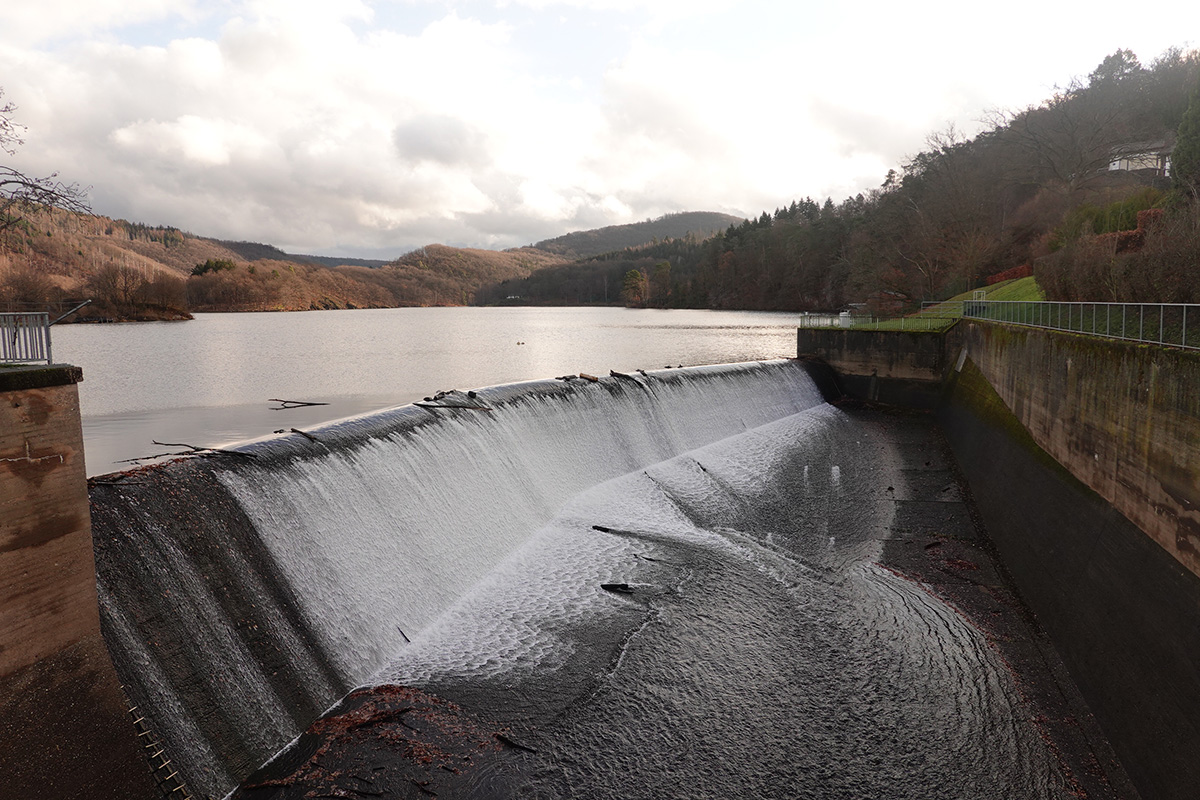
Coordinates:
465 552
241 597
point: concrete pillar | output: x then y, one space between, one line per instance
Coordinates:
65 730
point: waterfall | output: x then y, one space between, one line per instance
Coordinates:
242 596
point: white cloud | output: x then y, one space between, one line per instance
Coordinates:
310 124
23 23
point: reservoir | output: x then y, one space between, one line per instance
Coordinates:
208 381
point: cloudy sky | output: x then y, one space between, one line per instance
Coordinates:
367 128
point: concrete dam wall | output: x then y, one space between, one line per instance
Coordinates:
1082 457
242 596
704 580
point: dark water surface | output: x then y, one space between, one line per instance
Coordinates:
207 381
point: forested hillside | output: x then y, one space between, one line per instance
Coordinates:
583 244
132 271
1057 187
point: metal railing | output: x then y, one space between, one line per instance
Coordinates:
1174 324
24 338
933 316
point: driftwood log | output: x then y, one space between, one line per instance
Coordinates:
284 405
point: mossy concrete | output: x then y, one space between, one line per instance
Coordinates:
896 367
1123 418
1123 614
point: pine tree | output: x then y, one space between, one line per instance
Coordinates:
1185 160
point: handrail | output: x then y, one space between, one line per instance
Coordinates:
25 338
1149 323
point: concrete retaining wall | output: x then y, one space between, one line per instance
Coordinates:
901 368
1123 418
1083 456
65 730
1123 614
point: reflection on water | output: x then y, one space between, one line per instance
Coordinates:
207 382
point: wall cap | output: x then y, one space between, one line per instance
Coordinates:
40 376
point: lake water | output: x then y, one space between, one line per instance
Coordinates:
209 381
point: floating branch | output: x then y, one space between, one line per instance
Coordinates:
284 405
307 435
198 450
587 377
514 744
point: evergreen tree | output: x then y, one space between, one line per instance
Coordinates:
1185 160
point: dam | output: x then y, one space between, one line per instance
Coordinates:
703 582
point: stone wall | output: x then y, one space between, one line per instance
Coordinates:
65 730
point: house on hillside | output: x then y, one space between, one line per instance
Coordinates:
1150 158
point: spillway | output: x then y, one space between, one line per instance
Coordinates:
735 518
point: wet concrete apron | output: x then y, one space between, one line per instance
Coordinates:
791 654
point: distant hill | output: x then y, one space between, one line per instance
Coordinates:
256 251
136 271
584 244
455 274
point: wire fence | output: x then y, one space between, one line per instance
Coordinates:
1174 324
922 321
24 338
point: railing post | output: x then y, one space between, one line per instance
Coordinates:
25 338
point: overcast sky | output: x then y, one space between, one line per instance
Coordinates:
369 128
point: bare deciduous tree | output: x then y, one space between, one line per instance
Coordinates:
21 193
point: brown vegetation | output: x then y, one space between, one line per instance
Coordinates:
1155 263
132 271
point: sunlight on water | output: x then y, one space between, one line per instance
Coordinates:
207 381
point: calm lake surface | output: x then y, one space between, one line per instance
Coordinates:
208 382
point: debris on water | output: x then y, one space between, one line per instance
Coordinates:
514 744
290 404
